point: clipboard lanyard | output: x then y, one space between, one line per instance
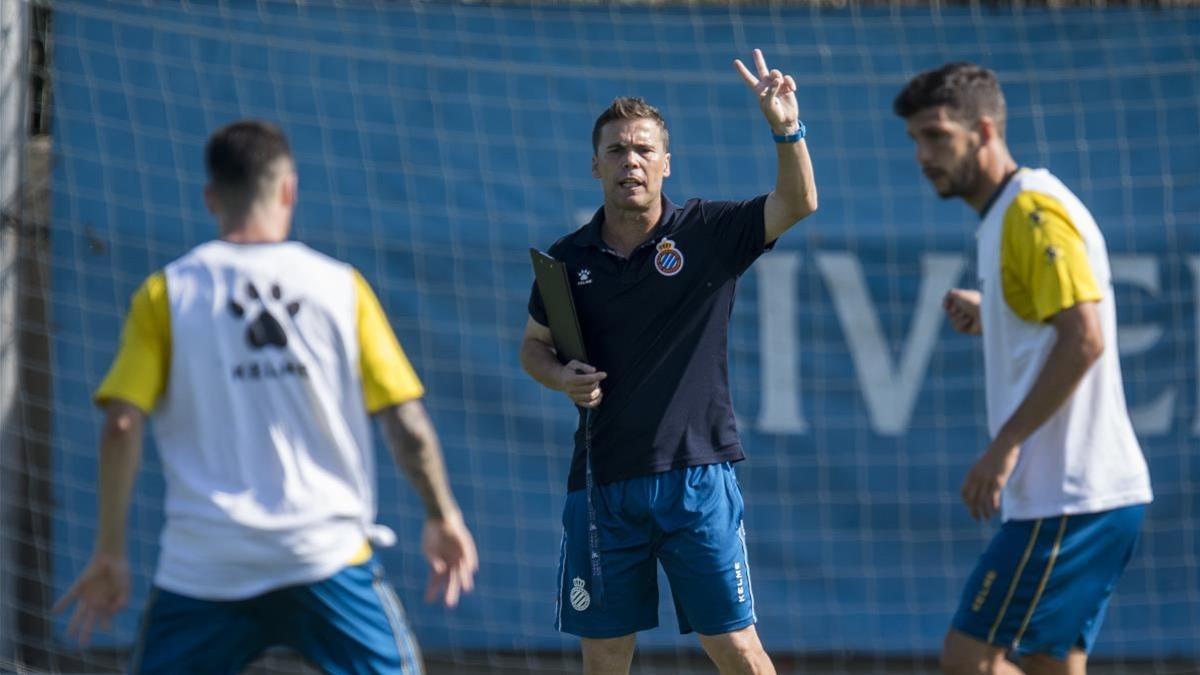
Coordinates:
593 529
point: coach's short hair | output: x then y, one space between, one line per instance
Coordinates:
242 160
629 108
970 91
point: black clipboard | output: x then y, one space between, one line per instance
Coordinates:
555 288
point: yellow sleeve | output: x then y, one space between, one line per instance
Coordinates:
139 373
1043 259
387 376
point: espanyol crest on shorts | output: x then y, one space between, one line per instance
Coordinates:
669 260
580 598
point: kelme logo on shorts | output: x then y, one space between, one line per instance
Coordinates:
580 599
984 588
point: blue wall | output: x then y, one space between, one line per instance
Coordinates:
436 143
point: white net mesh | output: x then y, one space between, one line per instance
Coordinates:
437 142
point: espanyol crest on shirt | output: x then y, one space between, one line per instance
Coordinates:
669 260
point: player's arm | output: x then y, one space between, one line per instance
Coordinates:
129 391
414 444
445 539
795 193
1046 278
579 381
392 393
1079 342
120 458
102 589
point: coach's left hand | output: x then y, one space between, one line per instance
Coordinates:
986 480
776 94
450 550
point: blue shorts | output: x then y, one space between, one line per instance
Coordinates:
351 622
1042 586
690 521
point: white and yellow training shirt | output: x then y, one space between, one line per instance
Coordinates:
258 364
1039 253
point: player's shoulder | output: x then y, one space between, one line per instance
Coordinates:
1038 180
1038 196
1038 188
319 274
151 294
154 286
314 257
1032 208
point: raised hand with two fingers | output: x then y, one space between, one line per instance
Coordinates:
776 93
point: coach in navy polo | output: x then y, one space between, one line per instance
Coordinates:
651 478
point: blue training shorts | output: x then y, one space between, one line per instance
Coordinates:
690 521
351 622
1042 586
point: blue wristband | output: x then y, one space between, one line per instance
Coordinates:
793 137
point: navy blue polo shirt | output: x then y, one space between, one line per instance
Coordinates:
658 324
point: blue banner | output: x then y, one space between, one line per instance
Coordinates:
436 143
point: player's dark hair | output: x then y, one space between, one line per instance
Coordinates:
628 108
970 91
241 159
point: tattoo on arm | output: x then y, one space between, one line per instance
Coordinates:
414 444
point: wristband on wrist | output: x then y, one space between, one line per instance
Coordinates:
793 137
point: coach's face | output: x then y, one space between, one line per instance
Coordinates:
947 150
631 162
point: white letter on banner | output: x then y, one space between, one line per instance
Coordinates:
1194 263
890 392
779 372
1142 271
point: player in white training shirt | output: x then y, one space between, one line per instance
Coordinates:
1064 467
259 360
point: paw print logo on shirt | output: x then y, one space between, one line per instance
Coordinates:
263 329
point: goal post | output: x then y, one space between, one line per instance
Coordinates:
436 142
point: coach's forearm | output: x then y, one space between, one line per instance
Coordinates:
795 194
414 444
540 361
794 182
120 457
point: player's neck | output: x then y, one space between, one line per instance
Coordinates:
250 230
998 167
624 230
